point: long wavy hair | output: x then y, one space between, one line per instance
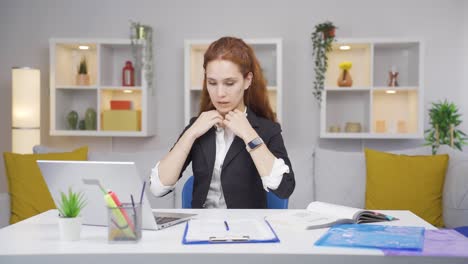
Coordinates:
238 52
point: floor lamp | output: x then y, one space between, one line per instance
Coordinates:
26 109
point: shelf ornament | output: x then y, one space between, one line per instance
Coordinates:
444 119
143 35
82 77
322 39
345 80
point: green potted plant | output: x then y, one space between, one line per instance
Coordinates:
69 207
322 39
82 78
444 120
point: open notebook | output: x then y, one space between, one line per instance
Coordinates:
321 215
202 231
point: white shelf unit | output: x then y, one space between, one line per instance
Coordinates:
268 52
106 58
383 112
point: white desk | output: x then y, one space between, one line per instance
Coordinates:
36 240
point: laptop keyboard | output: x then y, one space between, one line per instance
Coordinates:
162 219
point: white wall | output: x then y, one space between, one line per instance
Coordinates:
464 84
26 26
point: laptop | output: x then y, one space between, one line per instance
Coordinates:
120 177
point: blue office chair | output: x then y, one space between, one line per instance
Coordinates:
273 201
187 193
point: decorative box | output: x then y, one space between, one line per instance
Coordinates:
121 120
120 105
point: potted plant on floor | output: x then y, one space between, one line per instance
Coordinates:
82 78
70 206
322 39
444 120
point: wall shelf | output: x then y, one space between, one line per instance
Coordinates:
268 52
106 58
383 112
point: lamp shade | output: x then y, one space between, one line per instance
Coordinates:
26 98
26 109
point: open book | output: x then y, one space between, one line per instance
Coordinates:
320 214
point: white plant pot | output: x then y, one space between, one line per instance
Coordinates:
70 228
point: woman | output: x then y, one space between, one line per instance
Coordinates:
235 145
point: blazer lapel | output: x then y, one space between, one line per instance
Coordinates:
238 144
236 147
208 144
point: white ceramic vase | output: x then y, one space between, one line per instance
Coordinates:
70 228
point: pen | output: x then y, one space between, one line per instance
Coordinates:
142 192
133 203
134 212
226 225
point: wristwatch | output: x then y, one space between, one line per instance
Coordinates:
255 143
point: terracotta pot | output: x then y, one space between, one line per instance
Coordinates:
82 79
345 80
331 33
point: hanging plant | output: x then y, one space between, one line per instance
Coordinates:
143 35
322 39
444 120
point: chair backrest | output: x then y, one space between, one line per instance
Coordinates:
273 201
187 193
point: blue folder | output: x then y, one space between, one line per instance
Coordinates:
374 236
227 239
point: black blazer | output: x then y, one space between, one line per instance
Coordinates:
240 180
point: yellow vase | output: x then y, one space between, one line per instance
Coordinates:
345 80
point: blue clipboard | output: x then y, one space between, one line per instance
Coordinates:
229 240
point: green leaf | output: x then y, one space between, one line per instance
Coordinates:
71 204
443 115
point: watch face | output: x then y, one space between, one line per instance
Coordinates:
255 142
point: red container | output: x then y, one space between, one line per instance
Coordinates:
120 105
128 74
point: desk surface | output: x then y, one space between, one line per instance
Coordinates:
37 239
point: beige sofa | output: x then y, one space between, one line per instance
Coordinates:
317 176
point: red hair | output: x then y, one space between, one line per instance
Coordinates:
238 52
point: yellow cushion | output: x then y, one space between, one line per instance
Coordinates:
29 194
400 182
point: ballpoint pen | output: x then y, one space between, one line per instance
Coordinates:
133 204
226 225
142 192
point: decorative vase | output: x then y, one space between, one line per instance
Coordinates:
70 228
81 124
90 119
392 79
82 79
128 74
345 80
72 120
